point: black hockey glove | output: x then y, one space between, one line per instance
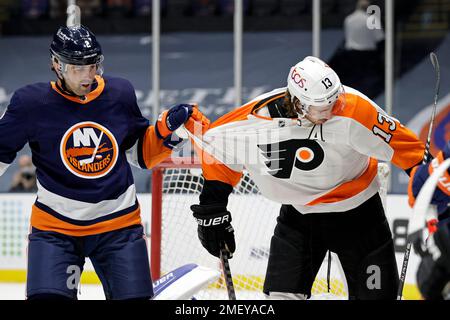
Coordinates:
214 228
434 269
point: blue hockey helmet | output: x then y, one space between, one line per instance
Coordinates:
76 45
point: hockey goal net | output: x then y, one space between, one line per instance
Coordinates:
176 185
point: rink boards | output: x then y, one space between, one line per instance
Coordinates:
14 227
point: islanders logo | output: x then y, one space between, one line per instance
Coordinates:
420 124
89 150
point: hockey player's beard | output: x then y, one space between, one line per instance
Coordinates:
81 89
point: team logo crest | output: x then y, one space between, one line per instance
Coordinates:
282 157
89 150
420 124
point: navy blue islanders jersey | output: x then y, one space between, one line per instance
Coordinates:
81 150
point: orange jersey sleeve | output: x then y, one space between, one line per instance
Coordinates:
374 133
153 149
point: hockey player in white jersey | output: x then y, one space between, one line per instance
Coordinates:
313 147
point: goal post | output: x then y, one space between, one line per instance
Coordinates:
157 190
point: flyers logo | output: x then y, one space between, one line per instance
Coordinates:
89 150
282 157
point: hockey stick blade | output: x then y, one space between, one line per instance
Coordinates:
227 274
435 63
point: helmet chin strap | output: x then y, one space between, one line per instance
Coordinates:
61 84
63 87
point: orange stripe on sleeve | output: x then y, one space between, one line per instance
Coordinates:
408 149
350 188
153 149
46 222
411 197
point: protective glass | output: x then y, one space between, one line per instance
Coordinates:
80 70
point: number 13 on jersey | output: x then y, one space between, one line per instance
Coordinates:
383 118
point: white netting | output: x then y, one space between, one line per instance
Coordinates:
254 219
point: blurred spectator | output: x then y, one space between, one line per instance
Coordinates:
118 8
34 9
202 8
144 7
364 50
57 8
296 7
226 7
262 8
88 8
25 179
7 9
358 36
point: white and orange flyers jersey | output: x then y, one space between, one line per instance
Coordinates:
316 168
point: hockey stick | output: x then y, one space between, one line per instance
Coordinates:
227 273
329 272
91 159
435 63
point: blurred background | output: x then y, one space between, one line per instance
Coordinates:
197 53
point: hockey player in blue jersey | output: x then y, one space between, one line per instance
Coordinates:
83 131
433 274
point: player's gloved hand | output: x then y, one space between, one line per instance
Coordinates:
197 123
214 228
432 274
421 173
170 120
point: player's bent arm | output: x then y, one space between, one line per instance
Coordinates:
14 127
214 220
212 216
157 142
372 132
154 149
